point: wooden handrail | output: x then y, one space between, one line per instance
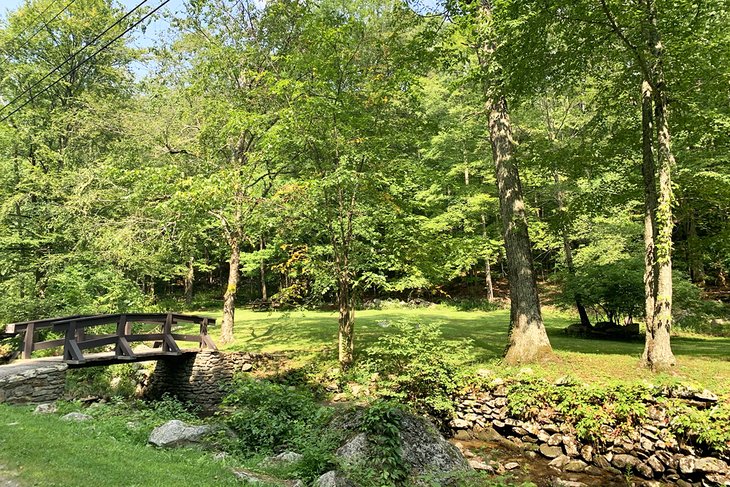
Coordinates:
75 339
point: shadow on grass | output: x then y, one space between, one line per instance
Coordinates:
312 331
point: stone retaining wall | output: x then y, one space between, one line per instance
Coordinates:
649 450
32 385
199 378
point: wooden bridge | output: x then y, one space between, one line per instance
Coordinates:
75 338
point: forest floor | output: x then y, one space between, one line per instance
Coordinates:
310 337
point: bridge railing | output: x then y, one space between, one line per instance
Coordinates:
75 338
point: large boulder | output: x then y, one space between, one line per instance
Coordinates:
177 433
423 449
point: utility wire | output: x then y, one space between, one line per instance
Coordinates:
91 56
44 24
71 57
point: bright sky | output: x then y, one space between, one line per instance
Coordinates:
151 34
156 28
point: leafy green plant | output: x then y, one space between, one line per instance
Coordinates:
119 380
587 408
266 416
380 422
707 427
414 363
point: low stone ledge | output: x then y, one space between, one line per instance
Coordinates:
33 384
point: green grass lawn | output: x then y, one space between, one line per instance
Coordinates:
43 450
310 335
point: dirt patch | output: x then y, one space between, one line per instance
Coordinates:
7 477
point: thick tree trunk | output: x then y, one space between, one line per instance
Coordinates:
487 266
648 169
229 298
528 339
189 281
346 338
659 353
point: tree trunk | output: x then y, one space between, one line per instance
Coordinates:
264 293
659 354
584 320
229 298
528 339
487 266
189 280
346 338
694 257
650 201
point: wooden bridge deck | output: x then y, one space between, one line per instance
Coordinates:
91 360
75 338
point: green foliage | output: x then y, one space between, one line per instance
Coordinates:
119 380
588 408
414 363
707 427
267 416
381 423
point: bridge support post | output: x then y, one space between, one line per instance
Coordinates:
71 351
28 340
205 341
168 342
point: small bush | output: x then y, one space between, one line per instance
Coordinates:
267 416
414 363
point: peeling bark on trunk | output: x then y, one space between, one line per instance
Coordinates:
229 298
528 338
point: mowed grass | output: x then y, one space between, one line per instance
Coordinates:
43 450
312 336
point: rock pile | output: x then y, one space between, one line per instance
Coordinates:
650 450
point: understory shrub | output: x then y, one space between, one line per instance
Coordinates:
413 363
118 380
268 416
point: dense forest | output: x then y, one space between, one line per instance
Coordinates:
334 152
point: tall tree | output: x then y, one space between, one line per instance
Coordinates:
528 339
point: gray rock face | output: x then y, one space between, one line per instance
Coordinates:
423 449
333 479
76 417
46 408
177 433
550 451
711 465
283 458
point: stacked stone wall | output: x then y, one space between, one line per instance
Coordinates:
649 450
33 384
200 379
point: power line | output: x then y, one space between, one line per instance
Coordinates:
68 59
91 56
44 24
